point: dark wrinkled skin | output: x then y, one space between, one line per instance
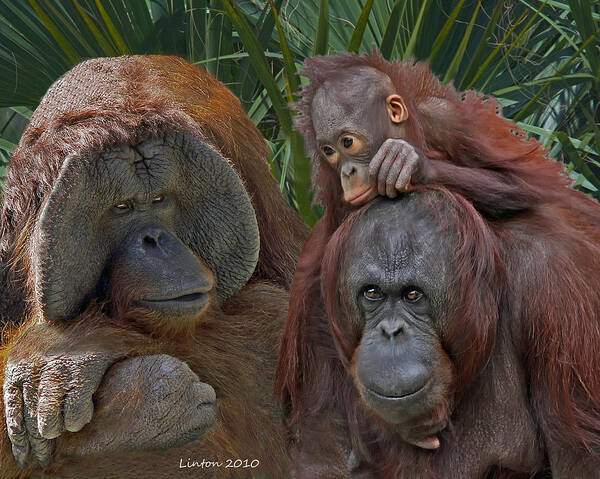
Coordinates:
135 194
183 408
400 367
129 215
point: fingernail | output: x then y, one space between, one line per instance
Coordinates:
14 428
14 422
44 461
42 450
21 454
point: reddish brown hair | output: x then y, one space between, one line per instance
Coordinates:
107 102
471 134
465 128
472 319
126 100
535 270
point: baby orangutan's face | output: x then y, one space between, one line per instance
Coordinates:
352 117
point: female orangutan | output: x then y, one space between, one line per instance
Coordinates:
378 127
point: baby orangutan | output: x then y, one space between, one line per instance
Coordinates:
384 128
378 127
360 123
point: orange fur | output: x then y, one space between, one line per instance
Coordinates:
234 346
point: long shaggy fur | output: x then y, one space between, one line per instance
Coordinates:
103 103
126 101
536 268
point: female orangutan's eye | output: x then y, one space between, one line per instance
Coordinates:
412 295
373 293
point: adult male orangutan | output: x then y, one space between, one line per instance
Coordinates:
145 257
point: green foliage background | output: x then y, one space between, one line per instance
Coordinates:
541 59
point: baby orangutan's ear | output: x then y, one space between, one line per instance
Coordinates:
396 108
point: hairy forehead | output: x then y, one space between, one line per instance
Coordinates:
347 100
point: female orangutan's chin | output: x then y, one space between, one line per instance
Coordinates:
408 394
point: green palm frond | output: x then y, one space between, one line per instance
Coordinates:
539 58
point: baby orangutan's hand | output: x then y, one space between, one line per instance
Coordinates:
393 166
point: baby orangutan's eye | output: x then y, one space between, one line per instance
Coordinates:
331 154
352 144
328 151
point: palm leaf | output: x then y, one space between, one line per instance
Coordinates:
540 59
